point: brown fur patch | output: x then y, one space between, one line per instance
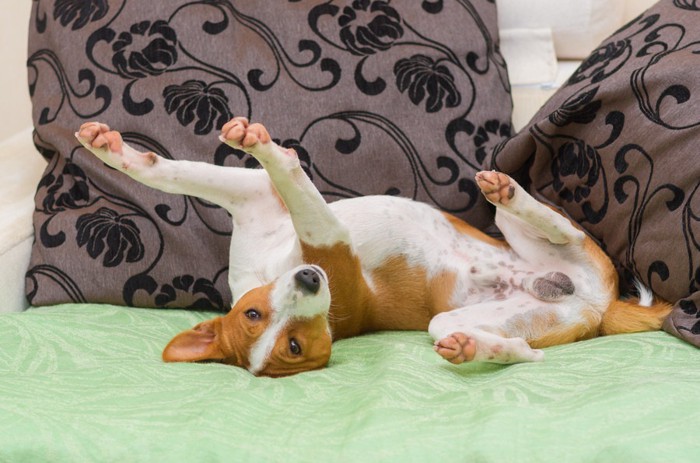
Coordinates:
630 317
226 338
405 298
350 294
314 340
559 334
402 298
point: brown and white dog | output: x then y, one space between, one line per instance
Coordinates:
304 273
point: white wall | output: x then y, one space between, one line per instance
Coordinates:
15 108
634 7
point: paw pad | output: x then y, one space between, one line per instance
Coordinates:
238 132
497 187
456 348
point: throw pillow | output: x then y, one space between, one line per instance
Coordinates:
615 148
377 97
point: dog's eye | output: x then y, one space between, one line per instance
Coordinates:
294 347
253 314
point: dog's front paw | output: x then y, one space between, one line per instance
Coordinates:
239 133
96 136
255 140
108 145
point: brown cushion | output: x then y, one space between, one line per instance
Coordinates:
616 148
401 98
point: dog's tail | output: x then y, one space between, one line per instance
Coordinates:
635 315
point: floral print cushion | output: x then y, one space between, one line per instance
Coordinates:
616 149
377 97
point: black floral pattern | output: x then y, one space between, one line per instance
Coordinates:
67 190
210 298
79 13
241 158
690 309
597 66
581 161
687 4
148 49
369 26
115 235
195 99
425 79
493 131
580 109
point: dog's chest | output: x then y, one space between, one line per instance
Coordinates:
260 251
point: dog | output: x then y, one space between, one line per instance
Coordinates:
304 273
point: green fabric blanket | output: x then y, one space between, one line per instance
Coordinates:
84 383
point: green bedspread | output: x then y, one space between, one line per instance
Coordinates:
86 383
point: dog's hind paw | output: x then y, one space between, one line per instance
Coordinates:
497 187
456 348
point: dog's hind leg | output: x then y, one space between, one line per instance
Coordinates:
566 261
482 346
229 187
492 332
514 205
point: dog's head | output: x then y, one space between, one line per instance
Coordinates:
275 330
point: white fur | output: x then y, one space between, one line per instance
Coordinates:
646 297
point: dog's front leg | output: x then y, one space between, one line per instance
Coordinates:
323 239
229 187
314 222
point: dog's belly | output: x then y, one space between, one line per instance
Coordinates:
384 228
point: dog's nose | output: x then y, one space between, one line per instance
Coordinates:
309 280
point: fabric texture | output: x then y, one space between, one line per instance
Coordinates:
377 97
615 148
86 383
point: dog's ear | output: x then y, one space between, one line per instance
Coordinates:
199 343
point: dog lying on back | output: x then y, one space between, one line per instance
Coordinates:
304 273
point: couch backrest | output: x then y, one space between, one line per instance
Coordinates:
576 26
14 95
